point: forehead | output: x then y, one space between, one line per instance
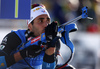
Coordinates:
42 16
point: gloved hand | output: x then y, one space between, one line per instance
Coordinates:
31 51
51 34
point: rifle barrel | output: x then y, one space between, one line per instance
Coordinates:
69 22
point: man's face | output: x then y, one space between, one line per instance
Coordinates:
39 24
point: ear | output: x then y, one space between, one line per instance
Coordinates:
30 26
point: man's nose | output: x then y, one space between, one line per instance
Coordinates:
45 24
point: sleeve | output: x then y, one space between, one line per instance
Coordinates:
49 61
8 44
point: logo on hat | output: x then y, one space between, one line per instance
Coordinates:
36 9
43 11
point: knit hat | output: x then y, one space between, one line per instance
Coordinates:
35 12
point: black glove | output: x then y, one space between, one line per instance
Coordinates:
31 51
51 34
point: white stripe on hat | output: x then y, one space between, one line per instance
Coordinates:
36 12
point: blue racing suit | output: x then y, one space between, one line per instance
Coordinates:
36 63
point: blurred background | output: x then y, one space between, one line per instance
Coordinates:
86 40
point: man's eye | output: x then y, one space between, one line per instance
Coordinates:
48 20
41 21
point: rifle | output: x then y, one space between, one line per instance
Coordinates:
61 27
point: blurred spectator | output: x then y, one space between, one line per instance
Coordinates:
72 7
85 23
97 11
92 28
58 12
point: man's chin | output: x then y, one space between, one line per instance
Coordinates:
43 32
